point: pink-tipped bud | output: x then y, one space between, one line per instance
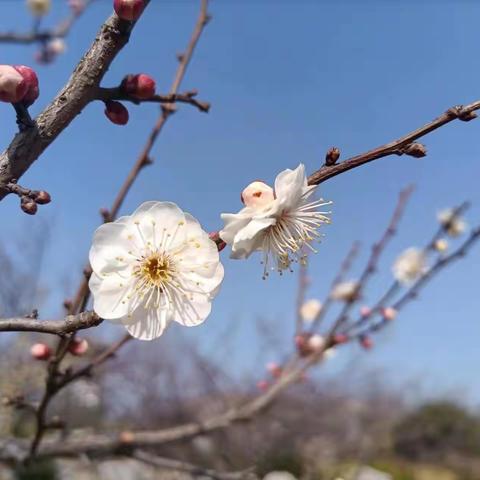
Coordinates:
365 311
129 9
40 351
274 369
116 112
366 342
257 194
340 338
389 313
12 84
263 385
140 86
31 80
78 347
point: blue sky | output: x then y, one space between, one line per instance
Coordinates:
287 80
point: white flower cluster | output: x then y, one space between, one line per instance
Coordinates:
158 265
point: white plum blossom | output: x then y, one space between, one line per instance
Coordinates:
152 267
441 245
345 291
454 224
409 266
310 310
280 227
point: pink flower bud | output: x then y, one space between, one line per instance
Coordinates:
257 194
216 238
12 84
263 385
301 342
274 369
40 351
128 9
31 81
389 313
78 347
340 338
140 86
365 311
116 112
366 342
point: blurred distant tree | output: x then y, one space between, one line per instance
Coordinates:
436 430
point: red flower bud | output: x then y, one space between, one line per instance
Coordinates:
128 9
78 347
28 205
140 86
12 84
274 369
116 112
31 80
40 351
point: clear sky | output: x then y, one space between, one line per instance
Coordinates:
287 79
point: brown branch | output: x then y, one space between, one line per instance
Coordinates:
80 90
115 93
397 147
70 324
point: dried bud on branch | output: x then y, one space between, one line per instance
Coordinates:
416 150
28 205
332 156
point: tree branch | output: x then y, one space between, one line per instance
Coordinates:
396 147
70 324
80 90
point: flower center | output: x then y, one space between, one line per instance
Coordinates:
155 269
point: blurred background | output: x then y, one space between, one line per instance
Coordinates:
287 80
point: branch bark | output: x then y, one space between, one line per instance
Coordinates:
80 90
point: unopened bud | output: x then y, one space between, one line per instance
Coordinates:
140 86
129 9
257 194
116 112
77 6
42 197
441 245
274 369
365 311
28 205
366 342
340 338
39 7
316 343
333 154
12 84
389 313
301 342
416 150
263 385
31 81
78 347
40 351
